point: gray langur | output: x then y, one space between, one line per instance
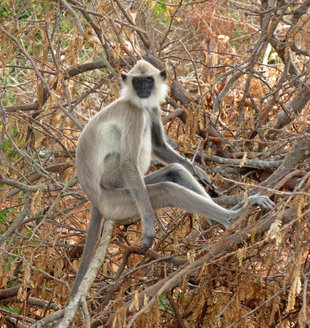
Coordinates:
114 153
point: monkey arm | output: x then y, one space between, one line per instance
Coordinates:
164 152
131 141
138 191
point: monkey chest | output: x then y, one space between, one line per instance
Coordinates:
145 152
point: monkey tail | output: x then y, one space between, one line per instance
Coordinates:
89 247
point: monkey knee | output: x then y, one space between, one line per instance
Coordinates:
112 179
176 171
177 167
112 176
161 193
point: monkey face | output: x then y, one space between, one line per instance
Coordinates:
143 86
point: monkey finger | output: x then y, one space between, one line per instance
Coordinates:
149 234
147 243
202 175
205 180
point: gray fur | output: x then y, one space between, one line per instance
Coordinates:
114 153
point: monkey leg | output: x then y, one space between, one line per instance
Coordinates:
173 186
178 174
119 204
112 176
169 194
93 233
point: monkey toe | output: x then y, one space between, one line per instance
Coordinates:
266 202
270 204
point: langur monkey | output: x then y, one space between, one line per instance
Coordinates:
114 153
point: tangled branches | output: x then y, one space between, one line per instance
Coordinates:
238 106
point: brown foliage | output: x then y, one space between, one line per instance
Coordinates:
237 106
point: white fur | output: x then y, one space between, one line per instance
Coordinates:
159 93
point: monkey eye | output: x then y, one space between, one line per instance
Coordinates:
150 80
139 81
136 81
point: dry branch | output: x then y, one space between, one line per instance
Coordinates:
99 257
224 248
299 152
240 104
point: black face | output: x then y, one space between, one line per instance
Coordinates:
143 86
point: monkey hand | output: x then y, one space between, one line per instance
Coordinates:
148 236
205 180
201 175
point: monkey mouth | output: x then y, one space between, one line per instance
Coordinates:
143 94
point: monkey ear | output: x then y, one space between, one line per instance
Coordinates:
163 74
124 77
